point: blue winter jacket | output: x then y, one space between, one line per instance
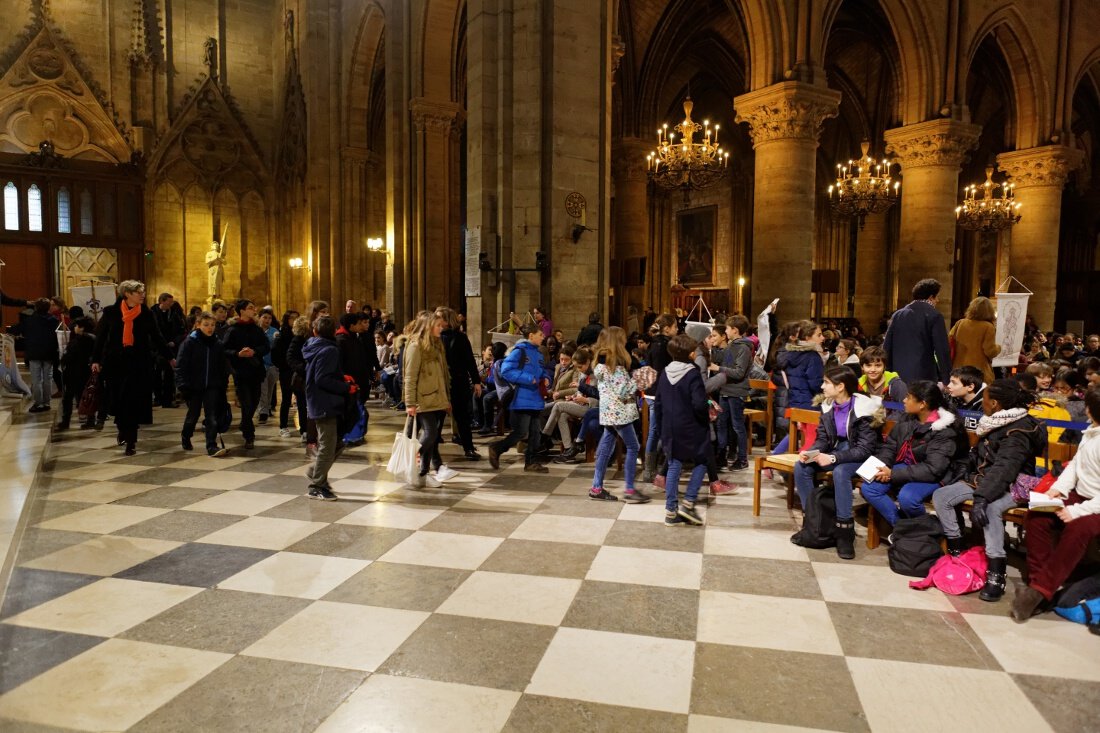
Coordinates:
325 385
523 368
805 371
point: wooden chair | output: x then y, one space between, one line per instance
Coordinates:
783 462
764 416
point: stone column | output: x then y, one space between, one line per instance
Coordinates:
871 272
1039 174
931 155
628 166
784 121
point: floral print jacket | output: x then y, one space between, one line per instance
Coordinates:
618 396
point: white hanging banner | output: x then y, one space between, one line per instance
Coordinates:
1011 314
94 298
473 262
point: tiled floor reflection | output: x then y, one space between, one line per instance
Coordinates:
172 592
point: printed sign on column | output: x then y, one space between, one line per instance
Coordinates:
473 256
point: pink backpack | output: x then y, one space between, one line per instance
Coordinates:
956 576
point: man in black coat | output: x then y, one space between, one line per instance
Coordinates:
916 342
246 344
465 379
172 330
591 332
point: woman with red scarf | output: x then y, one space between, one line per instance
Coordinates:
127 340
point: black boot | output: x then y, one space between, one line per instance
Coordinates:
994 580
846 539
955 546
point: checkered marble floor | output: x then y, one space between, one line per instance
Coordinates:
174 592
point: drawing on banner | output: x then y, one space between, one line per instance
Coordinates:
95 297
1011 314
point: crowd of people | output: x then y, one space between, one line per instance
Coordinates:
554 398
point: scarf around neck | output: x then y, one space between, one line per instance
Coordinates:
989 423
129 315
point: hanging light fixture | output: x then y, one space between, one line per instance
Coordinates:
988 212
684 163
863 187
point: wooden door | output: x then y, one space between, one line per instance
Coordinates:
25 275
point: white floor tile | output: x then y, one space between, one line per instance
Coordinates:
875 586
506 597
789 624
101 472
617 669
266 533
224 480
104 555
294 574
244 503
759 543
502 500
1047 646
103 519
665 568
389 514
557 528
101 492
443 550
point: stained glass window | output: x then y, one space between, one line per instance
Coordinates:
11 207
85 212
34 208
64 221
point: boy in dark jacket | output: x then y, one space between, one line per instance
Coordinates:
76 368
202 378
246 345
326 389
680 409
735 365
40 351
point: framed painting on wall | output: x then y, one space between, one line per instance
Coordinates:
695 246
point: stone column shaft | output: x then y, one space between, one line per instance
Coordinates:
631 215
784 121
1039 175
871 271
931 155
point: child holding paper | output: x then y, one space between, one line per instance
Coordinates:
1049 563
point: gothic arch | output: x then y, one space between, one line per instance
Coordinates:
769 40
438 49
366 61
1031 113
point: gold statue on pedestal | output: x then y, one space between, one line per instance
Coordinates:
215 269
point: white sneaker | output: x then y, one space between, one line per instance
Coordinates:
445 473
432 482
286 433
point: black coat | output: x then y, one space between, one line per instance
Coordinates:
147 338
936 447
353 358
171 325
735 365
7 300
77 359
864 422
589 334
295 361
460 362
128 371
916 344
281 346
682 416
1003 454
39 332
241 335
201 365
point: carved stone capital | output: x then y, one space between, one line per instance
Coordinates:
787 110
628 159
444 118
1049 165
934 143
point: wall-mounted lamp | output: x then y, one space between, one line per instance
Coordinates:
296 263
375 244
740 282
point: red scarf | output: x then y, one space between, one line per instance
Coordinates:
129 315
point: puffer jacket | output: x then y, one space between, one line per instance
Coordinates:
201 365
426 379
805 370
1001 455
735 364
865 421
523 369
325 385
936 446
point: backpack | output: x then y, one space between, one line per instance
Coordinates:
916 546
819 520
956 576
1080 603
505 389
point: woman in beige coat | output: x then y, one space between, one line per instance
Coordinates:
427 387
974 338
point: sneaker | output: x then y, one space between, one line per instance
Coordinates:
536 467
432 482
494 457
39 408
601 494
87 425
249 444
324 494
186 443
263 419
672 519
472 455
63 425
659 481
720 487
689 515
286 433
739 465
445 473
98 425
633 496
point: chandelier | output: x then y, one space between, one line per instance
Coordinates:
988 213
685 163
863 187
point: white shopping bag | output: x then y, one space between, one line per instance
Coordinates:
404 464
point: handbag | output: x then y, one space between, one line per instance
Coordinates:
89 398
403 463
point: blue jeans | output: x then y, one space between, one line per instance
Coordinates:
41 381
672 481
804 474
653 438
607 446
733 414
911 498
590 424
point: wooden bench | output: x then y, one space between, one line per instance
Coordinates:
752 415
783 462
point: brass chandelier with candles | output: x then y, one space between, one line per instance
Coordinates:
988 212
680 162
863 187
